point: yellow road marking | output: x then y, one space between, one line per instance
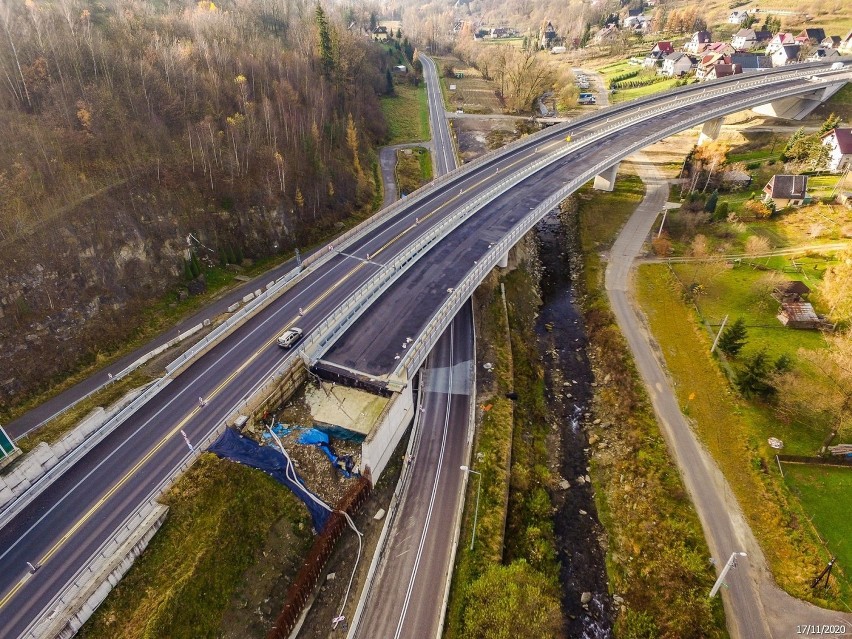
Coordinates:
126 477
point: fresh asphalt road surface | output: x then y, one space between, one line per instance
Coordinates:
377 339
66 524
407 595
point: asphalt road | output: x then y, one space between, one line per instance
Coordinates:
380 335
407 596
42 413
755 606
66 524
444 148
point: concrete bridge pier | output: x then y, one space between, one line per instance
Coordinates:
504 261
798 107
606 180
710 130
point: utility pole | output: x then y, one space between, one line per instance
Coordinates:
478 490
663 221
718 335
732 561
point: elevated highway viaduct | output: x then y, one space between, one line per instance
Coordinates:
66 525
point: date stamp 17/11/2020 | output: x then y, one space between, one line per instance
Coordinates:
822 630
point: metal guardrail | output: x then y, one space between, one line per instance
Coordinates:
44 482
65 598
416 354
378 283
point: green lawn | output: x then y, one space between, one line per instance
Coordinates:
413 169
407 114
734 430
824 493
623 95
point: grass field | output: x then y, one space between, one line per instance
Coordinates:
473 93
735 431
215 538
822 491
413 169
407 114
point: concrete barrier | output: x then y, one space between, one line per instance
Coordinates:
92 585
379 445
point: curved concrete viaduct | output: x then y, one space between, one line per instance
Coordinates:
415 263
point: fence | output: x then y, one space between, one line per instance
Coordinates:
306 579
816 461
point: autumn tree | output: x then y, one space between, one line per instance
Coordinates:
835 291
352 143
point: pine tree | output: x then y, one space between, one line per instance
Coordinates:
733 338
389 82
754 379
830 123
721 212
326 54
710 204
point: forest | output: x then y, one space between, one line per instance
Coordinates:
141 138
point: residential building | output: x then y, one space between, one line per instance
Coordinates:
748 39
822 53
722 48
778 41
607 34
707 62
660 51
737 17
839 142
380 33
792 291
751 62
786 190
845 46
788 54
698 42
831 42
547 36
722 71
811 36
676 64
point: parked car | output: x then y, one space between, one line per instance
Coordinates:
289 337
586 98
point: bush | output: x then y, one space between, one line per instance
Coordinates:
509 602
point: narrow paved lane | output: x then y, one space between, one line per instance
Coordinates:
754 606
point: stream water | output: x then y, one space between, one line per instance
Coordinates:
568 376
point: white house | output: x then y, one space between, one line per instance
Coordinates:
788 54
744 39
676 64
779 40
845 46
737 17
839 142
698 42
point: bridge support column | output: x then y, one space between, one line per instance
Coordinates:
710 130
606 180
798 107
504 261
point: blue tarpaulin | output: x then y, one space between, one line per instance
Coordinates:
313 436
231 445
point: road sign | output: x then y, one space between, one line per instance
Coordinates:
7 446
